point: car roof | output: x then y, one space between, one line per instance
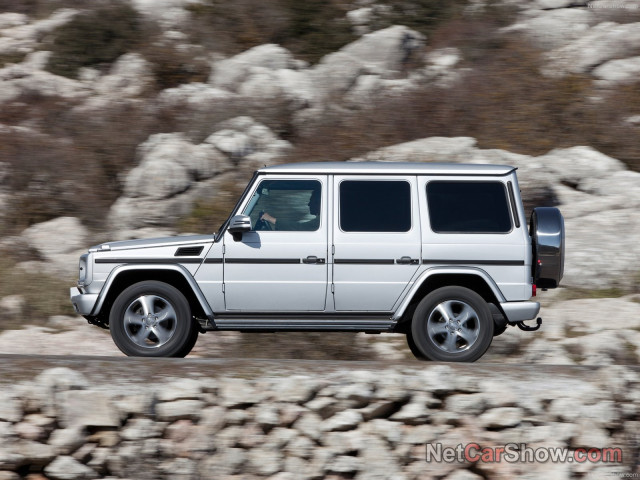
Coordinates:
389 168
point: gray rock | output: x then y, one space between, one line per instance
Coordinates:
300 447
604 42
463 475
10 408
357 394
69 233
344 464
87 408
67 468
310 425
379 53
181 389
236 393
264 462
179 409
129 76
12 306
473 404
415 412
503 417
342 421
550 29
228 461
230 73
65 441
267 416
39 454
625 70
138 429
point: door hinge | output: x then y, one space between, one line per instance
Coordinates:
333 288
223 288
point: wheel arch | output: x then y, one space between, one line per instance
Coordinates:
175 275
474 279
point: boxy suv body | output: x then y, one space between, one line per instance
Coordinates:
440 252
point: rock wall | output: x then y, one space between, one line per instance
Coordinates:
206 419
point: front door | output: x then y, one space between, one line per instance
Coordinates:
376 241
281 264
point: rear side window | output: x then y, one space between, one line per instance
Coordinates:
375 206
468 207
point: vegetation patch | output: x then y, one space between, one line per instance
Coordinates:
94 38
43 295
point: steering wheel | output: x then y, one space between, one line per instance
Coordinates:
262 224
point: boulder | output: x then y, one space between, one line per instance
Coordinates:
67 468
550 29
10 19
23 37
169 164
69 234
613 72
130 76
194 96
383 53
606 41
232 72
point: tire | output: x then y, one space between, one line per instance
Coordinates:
152 319
452 324
414 348
548 245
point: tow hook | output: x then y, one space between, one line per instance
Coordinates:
527 328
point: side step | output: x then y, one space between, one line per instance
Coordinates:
305 322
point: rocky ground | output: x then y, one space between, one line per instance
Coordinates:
278 420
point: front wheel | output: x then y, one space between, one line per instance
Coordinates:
452 324
152 319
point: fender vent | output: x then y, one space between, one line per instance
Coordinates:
189 251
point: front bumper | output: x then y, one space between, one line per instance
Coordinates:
83 303
520 311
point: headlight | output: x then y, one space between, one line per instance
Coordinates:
82 275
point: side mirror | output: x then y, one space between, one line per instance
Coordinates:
238 225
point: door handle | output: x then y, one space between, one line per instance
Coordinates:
313 259
407 261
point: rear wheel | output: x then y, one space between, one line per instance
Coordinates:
152 319
452 324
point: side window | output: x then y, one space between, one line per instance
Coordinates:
286 205
375 206
468 207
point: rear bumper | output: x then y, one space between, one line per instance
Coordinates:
83 303
520 311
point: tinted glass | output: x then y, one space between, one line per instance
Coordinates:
375 206
290 205
468 207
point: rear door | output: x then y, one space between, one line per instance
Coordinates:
376 240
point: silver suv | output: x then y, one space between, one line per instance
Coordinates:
439 252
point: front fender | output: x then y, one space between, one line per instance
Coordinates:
424 276
146 267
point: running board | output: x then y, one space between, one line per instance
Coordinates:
305 322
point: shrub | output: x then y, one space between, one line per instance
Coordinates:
310 29
43 295
93 38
